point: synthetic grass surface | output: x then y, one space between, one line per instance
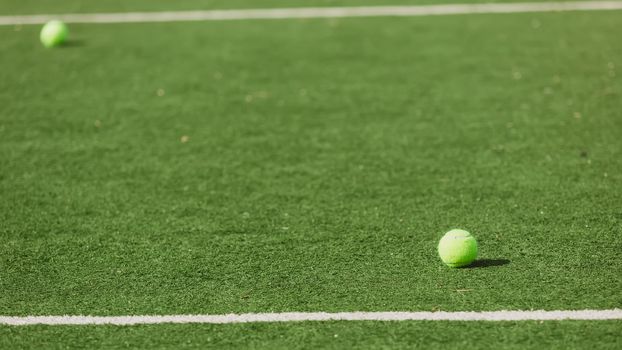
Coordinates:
312 166
325 335
13 7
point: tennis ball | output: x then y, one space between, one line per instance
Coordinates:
54 33
457 248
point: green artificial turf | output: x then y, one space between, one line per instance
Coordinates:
11 7
325 335
323 161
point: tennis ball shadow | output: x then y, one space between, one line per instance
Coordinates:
71 43
488 263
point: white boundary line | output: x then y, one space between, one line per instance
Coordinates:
327 12
613 314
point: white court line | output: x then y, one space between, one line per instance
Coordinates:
326 12
614 314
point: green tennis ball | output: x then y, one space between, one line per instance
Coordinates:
54 33
457 248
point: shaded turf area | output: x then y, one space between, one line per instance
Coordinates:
14 7
312 166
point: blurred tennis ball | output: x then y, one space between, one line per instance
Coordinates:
54 33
